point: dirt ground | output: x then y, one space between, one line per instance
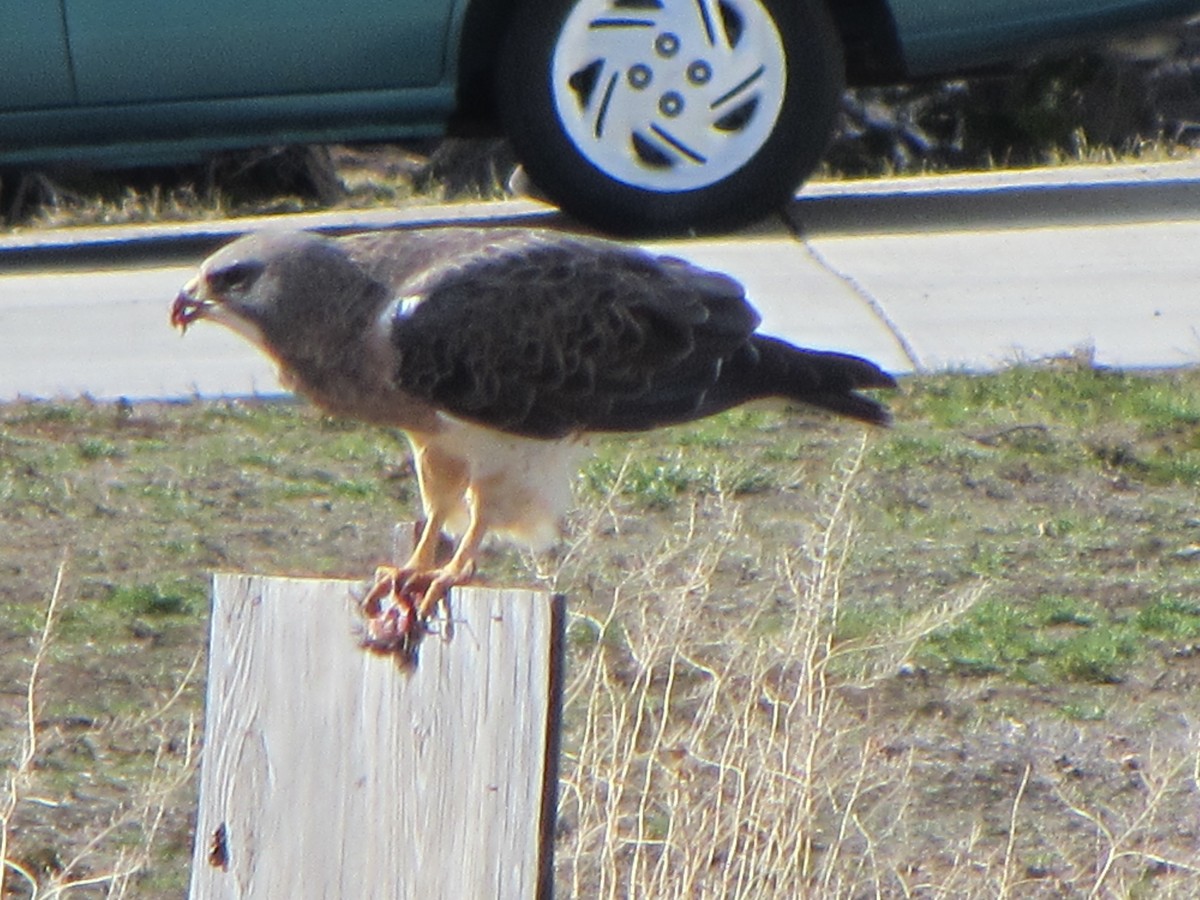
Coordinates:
1010 681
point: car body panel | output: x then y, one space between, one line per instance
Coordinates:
939 36
35 71
160 81
167 133
136 82
127 51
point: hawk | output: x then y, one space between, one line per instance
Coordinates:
498 352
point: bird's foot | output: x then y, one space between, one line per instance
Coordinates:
398 608
392 626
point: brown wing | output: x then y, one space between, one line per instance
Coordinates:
551 335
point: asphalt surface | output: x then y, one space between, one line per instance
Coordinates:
921 274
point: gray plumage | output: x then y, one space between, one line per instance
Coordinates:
537 334
495 350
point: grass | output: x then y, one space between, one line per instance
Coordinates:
1053 640
127 834
371 177
957 658
227 188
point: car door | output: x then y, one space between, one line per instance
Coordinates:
941 34
128 51
34 71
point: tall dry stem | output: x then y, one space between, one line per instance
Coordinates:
18 776
145 811
699 765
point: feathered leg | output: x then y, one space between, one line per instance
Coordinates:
429 587
403 597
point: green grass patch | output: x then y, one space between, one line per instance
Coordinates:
650 483
1065 414
172 599
97 448
1062 394
1170 618
1056 638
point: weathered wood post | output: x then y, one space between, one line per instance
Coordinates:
329 772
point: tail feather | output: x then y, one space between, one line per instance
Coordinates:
851 405
822 379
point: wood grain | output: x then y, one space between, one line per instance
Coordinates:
331 772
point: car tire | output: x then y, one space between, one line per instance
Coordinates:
664 116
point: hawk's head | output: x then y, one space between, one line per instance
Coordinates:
296 295
226 290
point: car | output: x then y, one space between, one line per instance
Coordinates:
633 115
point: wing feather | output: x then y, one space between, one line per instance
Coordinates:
552 335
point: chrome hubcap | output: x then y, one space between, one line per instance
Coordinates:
669 95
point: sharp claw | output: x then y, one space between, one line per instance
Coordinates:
393 627
398 607
384 586
434 594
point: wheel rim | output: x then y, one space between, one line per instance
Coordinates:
668 95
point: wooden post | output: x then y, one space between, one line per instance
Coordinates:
329 772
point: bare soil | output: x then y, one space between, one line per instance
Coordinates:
1053 754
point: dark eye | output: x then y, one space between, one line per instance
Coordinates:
235 278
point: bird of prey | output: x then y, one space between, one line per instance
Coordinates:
498 352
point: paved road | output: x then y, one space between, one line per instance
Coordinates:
965 272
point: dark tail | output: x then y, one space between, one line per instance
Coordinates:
774 368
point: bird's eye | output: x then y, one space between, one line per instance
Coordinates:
235 278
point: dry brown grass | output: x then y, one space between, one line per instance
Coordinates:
738 754
702 761
751 710
109 858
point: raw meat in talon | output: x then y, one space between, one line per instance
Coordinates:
400 604
417 588
394 627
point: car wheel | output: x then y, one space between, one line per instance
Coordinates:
668 115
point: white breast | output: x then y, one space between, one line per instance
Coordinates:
522 484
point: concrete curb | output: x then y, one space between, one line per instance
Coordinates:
862 205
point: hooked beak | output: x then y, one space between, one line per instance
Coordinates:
188 307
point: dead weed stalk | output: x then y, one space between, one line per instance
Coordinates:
145 811
722 741
710 757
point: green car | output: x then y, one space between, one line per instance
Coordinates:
634 115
